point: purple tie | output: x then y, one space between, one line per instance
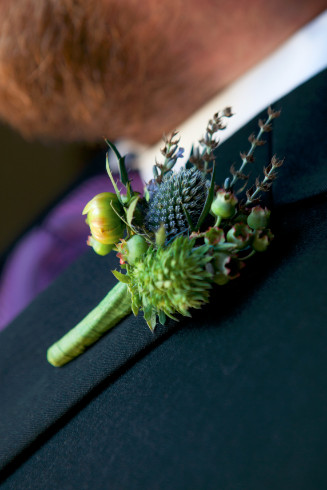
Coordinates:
47 249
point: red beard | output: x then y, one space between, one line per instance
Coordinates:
81 70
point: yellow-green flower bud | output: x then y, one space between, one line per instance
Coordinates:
258 219
224 204
136 247
240 234
98 247
105 224
261 240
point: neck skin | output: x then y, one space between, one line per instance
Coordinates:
213 46
254 91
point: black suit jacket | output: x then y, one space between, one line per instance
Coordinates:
234 398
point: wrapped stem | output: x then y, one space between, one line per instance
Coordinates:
113 308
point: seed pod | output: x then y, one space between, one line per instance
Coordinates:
224 204
258 219
222 271
262 240
240 234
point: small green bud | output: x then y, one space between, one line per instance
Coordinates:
161 236
240 234
98 247
124 198
262 240
258 219
224 204
146 194
105 225
155 171
136 246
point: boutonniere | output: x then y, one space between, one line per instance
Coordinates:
174 243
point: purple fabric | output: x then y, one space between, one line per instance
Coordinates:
47 249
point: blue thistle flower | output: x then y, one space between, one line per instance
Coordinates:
187 191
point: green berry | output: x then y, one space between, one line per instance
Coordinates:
224 204
98 247
258 219
220 262
136 247
240 234
262 240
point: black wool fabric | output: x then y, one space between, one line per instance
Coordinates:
233 398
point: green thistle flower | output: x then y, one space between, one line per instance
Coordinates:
170 280
178 194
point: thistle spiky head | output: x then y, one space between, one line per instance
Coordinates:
170 280
180 196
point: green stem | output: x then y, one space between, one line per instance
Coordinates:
218 221
113 308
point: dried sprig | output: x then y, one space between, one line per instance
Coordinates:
171 152
270 174
255 140
204 154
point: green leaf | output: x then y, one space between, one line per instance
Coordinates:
135 308
131 209
121 162
123 172
150 317
225 246
188 217
188 164
162 317
112 179
206 207
121 277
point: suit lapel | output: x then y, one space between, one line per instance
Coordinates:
34 395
